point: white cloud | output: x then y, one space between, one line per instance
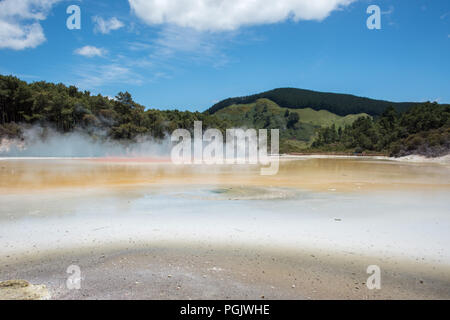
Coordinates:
173 42
221 15
17 37
106 26
94 76
90 51
175 39
20 23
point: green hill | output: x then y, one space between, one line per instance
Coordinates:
322 118
298 127
339 104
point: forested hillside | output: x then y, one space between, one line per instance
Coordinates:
66 108
340 104
298 127
424 130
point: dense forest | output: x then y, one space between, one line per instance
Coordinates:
424 129
66 109
340 104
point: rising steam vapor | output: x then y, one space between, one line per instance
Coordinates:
44 142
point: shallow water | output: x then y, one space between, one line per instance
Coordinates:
355 175
380 208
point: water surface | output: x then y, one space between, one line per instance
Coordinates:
380 208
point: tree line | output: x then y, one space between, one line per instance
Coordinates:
66 108
424 129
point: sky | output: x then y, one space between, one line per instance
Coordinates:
190 54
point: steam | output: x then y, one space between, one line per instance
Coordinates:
38 141
240 148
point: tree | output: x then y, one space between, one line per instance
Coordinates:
293 118
125 98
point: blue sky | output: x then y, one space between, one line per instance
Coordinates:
179 55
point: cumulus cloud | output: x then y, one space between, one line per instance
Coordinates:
20 23
106 26
221 15
90 51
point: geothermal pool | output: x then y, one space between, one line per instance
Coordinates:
376 210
